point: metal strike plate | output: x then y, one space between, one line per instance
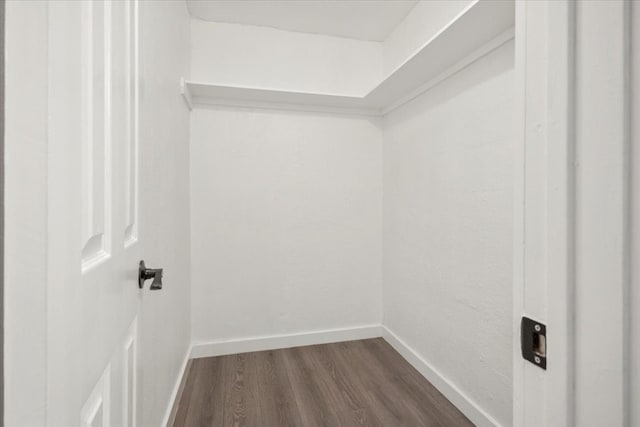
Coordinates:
533 336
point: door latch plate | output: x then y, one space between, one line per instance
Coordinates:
533 336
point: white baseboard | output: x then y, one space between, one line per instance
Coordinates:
273 342
176 388
459 399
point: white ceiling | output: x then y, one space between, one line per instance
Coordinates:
359 19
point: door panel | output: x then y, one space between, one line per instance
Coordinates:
97 410
129 376
131 127
94 300
96 131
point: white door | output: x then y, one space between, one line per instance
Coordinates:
94 299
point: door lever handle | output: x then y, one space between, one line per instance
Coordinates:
145 274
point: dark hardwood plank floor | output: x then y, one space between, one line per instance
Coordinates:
356 383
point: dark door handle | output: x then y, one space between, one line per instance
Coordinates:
145 273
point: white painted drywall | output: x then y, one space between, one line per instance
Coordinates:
243 55
285 223
447 234
164 202
362 19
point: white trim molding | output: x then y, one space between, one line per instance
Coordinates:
203 95
544 208
274 342
457 397
176 387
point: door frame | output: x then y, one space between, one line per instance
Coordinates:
544 208
572 216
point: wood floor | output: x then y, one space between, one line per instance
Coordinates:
356 383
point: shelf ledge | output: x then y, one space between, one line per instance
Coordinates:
481 28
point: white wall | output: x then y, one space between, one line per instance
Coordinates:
448 229
285 221
164 201
243 55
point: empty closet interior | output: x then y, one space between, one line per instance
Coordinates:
346 188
